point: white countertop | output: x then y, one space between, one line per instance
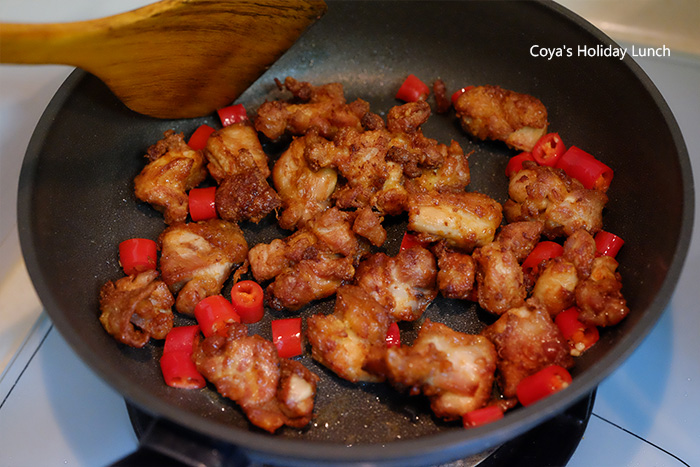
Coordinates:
646 413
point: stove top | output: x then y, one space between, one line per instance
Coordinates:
645 414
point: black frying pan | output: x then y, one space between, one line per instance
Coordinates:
76 204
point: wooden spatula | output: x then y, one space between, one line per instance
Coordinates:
174 58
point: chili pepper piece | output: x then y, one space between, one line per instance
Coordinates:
544 383
482 416
138 255
286 335
202 203
247 298
413 90
179 371
199 137
213 314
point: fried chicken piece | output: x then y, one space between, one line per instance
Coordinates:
464 220
555 285
549 195
520 238
599 297
322 108
246 196
368 224
452 174
271 391
376 163
580 250
351 341
173 169
526 340
491 112
136 308
310 279
500 281
304 192
235 149
311 263
405 285
197 258
456 272
454 370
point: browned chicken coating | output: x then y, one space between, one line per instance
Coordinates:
456 272
555 285
500 281
368 224
549 195
599 297
197 258
271 391
321 108
246 197
491 112
173 169
377 164
580 250
454 370
526 340
235 149
304 192
136 308
464 220
311 263
352 340
404 284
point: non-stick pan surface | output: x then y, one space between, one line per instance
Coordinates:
76 204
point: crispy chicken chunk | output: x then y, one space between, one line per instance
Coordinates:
197 258
173 169
311 263
580 250
322 108
599 296
304 192
555 285
136 308
455 370
378 163
246 197
499 277
271 391
491 112
549 195
235 149
464 220
456 272
526 340
405 284
352 340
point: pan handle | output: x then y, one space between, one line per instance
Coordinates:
166 444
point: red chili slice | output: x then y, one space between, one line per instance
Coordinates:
138 255
581 336
482 416
181 339
542 384
199 138
410 240
393 336
548 149
232 114
247 298
213 314
202 203
515 164
286 335
413 90
543 251
608 244
585 168
179 371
